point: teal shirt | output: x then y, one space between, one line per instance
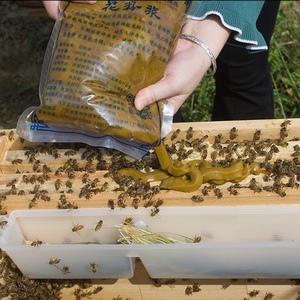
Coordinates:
238 16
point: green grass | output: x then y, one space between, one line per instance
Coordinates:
284 58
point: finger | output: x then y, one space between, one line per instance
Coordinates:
163 89
52 8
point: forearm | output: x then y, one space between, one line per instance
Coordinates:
211 32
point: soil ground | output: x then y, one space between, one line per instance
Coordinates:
24 35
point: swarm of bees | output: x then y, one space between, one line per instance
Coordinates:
73 175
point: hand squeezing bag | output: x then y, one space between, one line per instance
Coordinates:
99 56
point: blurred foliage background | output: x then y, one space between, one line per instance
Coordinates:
284 58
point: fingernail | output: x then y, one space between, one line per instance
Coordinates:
139 105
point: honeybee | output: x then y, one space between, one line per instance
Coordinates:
256 135
128 220
197 198
149 203
205 190
232 190
11 183
135 203
254 186
233 133
58 184
3 223
70 153
11 135
66 269
77 227
175 134
53 262
268 296
189 290
189 133
154 211
13 190
197 239
94 267
285 123
196 287
36 243
218 138
218 193
55 153
58 171
111 204
69 184
158 203
253 293
99 225
17 161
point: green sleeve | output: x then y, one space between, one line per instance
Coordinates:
239 16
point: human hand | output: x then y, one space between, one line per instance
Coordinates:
52 7
187 65
183 73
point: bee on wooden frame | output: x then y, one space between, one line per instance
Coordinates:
196 287
218 193
57 184
175 134
149 203
205 190
218 138
285 123
135 203
232 190
11 183
69 184
253 293
17 161
189 133
159 203
111 204
188 290
197 198
70 152
268 296
257 135
11 135
233 133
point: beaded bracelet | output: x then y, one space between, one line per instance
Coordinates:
204 47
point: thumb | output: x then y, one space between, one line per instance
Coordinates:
154 92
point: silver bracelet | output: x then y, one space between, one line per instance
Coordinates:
204 47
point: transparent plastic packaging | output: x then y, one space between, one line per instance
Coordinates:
236 242
99 56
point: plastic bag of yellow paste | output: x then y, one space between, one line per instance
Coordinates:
99 56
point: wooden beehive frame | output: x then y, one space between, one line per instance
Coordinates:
15 164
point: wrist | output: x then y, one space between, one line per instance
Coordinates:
210 31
